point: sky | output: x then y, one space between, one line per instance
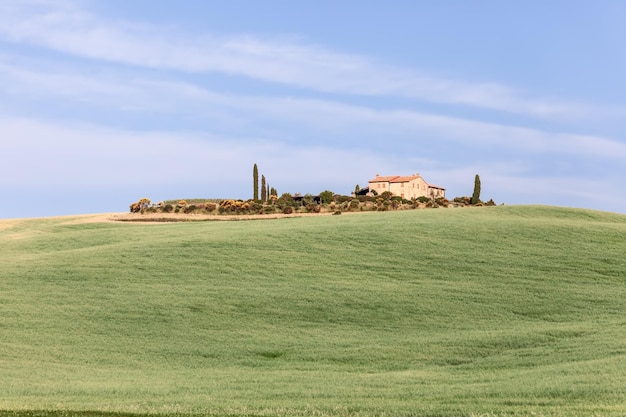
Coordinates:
104 102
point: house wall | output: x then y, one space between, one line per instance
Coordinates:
437 192
414 188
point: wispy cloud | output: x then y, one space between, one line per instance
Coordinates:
84 154
68 28
141 94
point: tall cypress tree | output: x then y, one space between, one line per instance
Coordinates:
476 194
255 179
263 189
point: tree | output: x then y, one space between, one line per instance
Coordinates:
357 189
255 179
476 194
326 196
263 189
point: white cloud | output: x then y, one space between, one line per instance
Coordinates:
66 27
129 92
50 154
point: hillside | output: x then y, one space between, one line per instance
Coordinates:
505 310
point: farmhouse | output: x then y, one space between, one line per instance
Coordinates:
412 186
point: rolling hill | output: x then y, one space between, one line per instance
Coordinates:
516 310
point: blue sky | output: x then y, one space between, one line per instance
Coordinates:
105 102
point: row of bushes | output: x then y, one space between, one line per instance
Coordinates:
287 204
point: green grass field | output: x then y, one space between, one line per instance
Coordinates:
516 310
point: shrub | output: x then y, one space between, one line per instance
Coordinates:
288 210
336 213
423 199
168 208
308 199
354 204
386 195
285 200
140 206
254 206
313 208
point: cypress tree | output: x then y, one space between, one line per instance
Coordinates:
476 194
263 189
255 179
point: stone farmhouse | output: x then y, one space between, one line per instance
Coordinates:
412 186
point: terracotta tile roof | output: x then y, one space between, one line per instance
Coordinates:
435 186
406 179
389 178
395 178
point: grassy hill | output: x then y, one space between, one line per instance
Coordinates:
505 310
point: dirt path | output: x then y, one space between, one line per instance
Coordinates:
156 218
178 217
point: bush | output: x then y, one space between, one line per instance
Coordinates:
463 200
285 200
288 210
255 206
354 204
313 208
210 207
140 206
168 208
386 195
233 206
